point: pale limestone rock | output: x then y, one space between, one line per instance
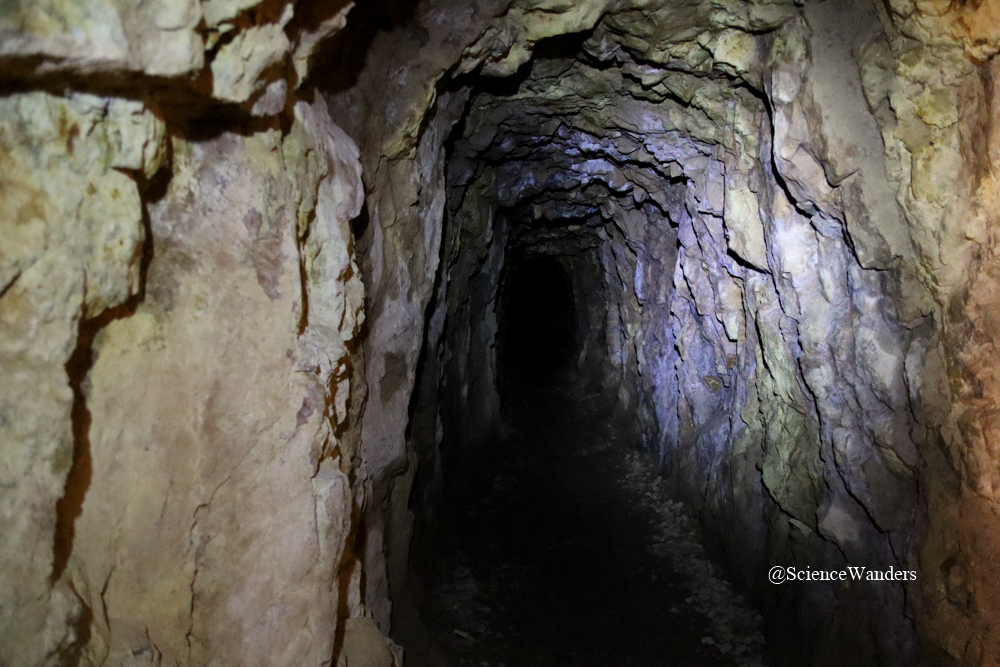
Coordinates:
744 231
735 48
75 248
73 245
242 65
365 646
975 27
90 36
208 407
335 315
853 151
217 12
244 48
507 45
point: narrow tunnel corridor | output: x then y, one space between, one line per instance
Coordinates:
537 328
432 333
617 342
555 539
560 548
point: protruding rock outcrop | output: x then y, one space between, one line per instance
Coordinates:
181 310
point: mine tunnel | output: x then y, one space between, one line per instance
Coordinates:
554 537
507 333
536 324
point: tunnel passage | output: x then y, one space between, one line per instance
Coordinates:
776 216
670 198
537 327
561 242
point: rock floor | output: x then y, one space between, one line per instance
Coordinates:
559 548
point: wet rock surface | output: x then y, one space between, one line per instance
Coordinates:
561 549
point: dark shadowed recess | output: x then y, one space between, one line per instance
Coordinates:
348 49
537 317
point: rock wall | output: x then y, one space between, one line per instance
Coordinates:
180 346
238 509
936 77
74 247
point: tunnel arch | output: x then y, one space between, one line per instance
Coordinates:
670 186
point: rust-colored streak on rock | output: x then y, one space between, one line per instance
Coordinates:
70 506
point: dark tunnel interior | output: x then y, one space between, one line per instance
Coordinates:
544 537
537 316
